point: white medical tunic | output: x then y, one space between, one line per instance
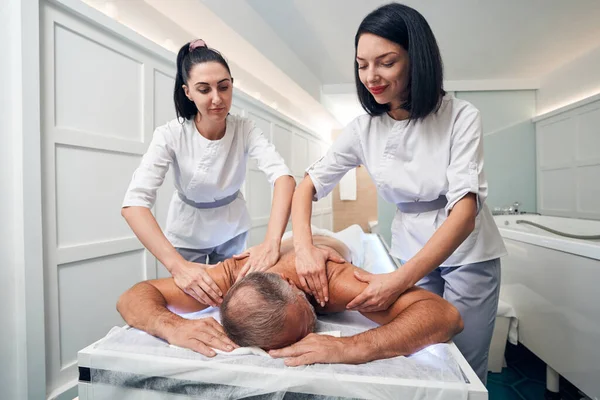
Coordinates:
204 171
441 155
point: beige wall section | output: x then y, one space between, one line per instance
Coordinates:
359 211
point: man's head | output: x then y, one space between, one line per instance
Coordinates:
264 310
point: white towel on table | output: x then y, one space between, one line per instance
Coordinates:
257 351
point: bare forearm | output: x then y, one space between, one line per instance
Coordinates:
145 227
280 210
457 227
423 323
145 308
302 212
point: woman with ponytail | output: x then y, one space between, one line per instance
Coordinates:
208 149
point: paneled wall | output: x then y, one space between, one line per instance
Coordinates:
102 97
568 162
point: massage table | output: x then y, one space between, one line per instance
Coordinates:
130 364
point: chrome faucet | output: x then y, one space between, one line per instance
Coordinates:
508 210
516 206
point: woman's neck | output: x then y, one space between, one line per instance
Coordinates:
397 112
209 129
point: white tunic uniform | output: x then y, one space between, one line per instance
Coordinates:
205 171
440 155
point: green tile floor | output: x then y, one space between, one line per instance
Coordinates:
524 378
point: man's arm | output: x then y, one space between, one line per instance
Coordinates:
417 319
150 306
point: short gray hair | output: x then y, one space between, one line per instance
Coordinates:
254 311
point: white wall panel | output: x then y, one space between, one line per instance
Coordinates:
568 158
98 90
282 139
261 123
235 110
314 152
316 220
300 157
558 190
164 110
259 197
89 291
101 100
87 206
327 221
555 149
588 143
588 187
257 235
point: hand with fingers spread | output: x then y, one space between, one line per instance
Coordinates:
319 349
312 272
382 292
260 258
193 279
201 335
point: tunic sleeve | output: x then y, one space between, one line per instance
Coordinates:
149 176
465 171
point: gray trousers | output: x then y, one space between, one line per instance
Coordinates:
214 255
474 289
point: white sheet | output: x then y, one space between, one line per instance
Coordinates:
506 310
128 357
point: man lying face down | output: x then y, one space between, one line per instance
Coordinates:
269 310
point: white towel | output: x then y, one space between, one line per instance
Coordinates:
257 351
506 310
348 186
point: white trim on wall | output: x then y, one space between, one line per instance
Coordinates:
564 109
30 272
491 84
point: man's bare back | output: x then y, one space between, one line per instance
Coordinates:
343 286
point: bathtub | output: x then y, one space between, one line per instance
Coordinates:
552 283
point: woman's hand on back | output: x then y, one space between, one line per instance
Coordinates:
312 272
193 279
260 258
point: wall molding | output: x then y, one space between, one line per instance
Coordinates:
568 107
491 85
511 126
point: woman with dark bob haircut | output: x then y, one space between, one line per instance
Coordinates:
208 149
424 151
